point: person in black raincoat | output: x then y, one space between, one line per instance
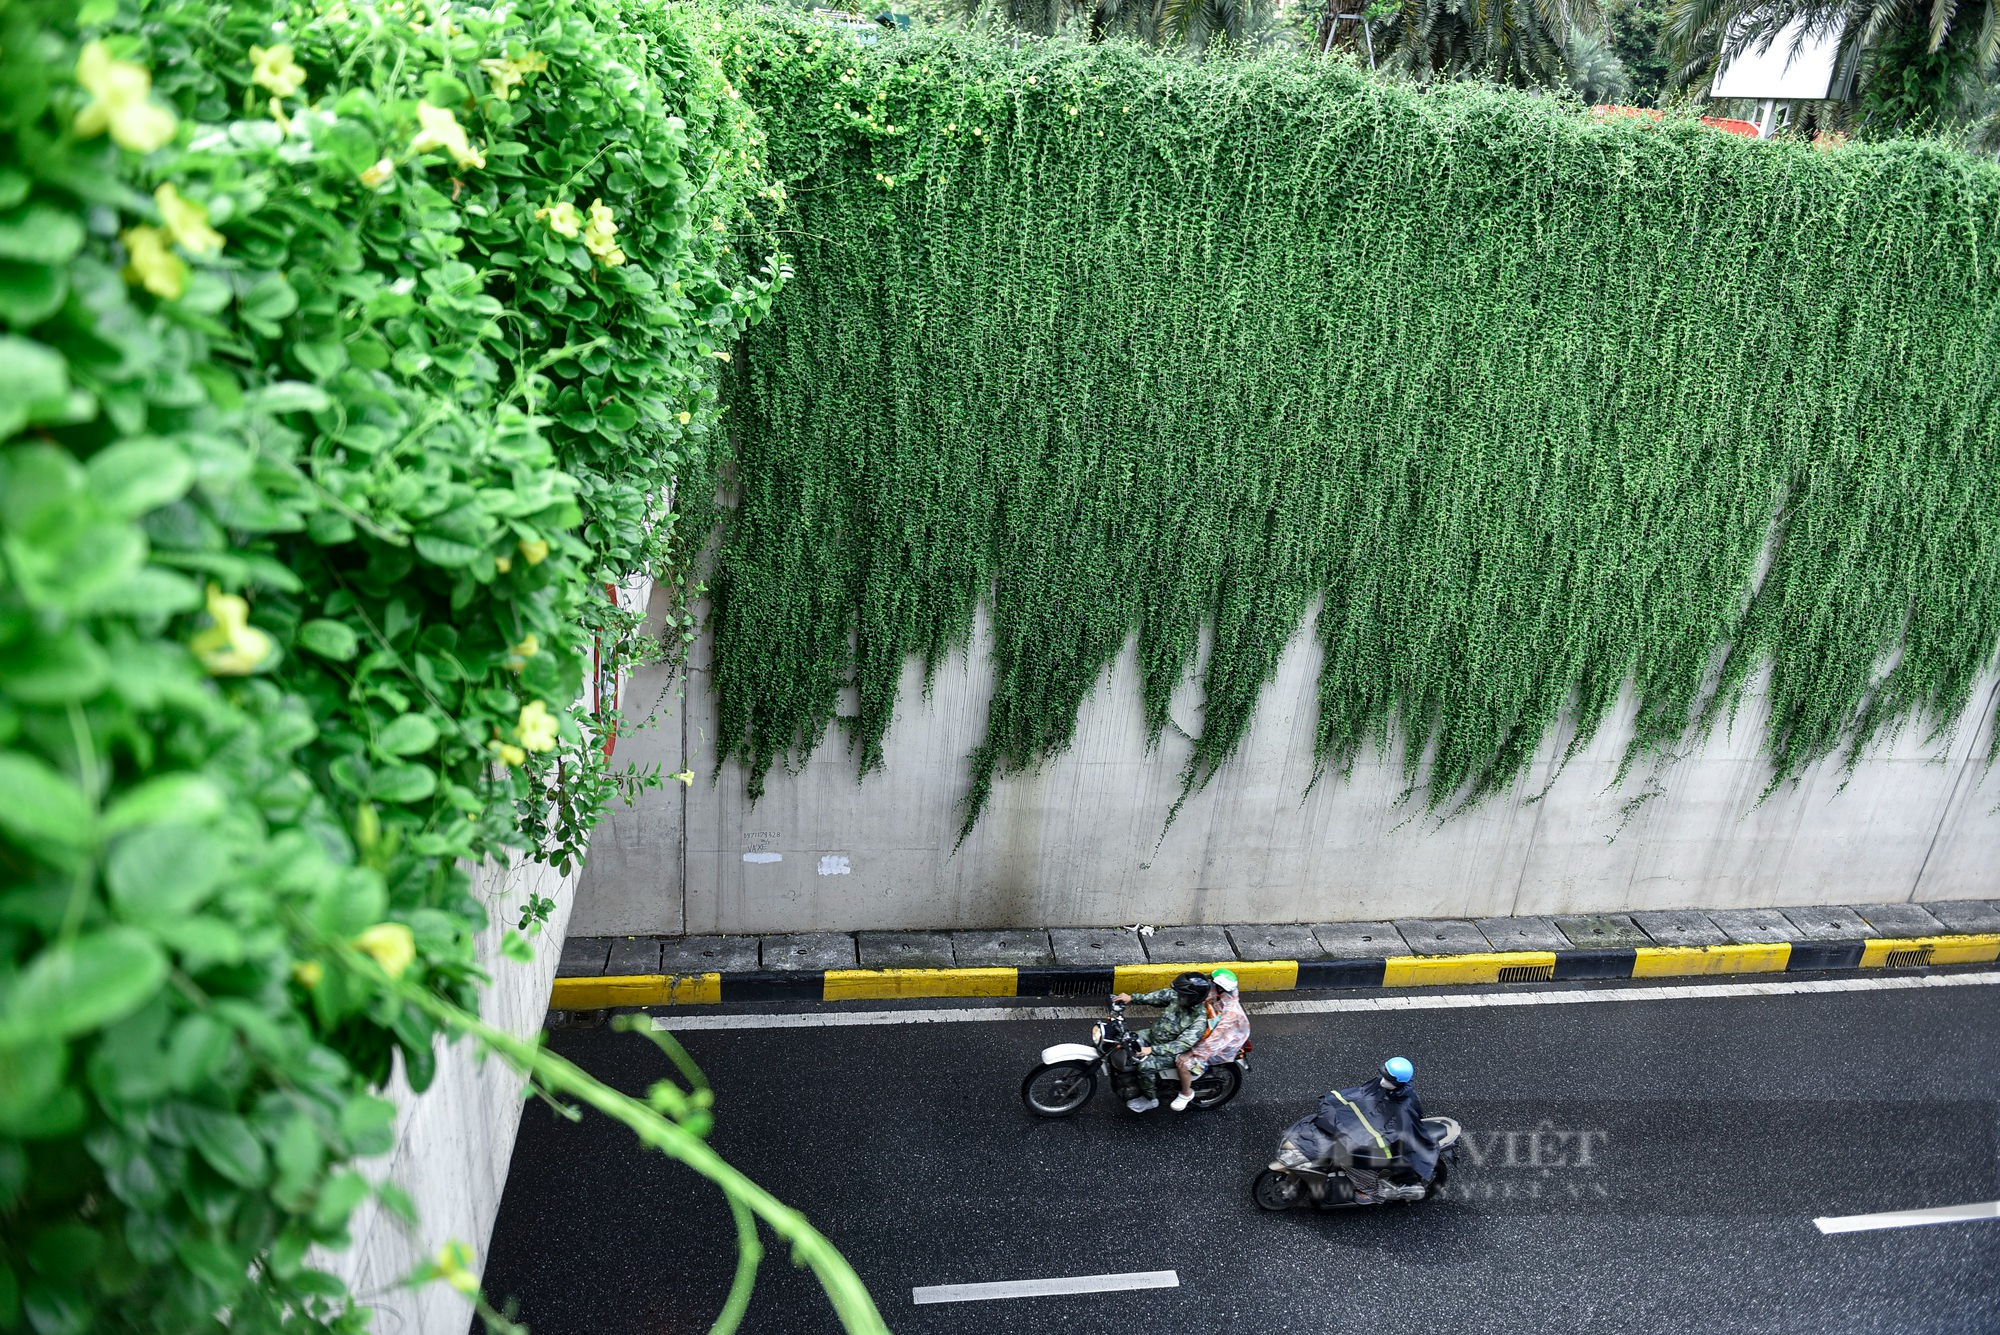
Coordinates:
1365 1127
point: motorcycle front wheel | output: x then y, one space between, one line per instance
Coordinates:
1274 1190
1058 1089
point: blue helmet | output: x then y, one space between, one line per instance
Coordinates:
1399 1070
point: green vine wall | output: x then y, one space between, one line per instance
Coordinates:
1540 405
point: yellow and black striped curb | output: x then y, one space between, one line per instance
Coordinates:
1516 966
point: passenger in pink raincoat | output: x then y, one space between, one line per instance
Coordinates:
1228 1032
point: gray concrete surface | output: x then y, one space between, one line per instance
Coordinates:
633 955
1286 941
1000 950
809 950
709 954
1184 945
1828 924
1680 927
454 1142
1094 947
583 956
1748 927
1899 920
1522 933
1979 916
1602 931
1359 940
904 950
1443 936
1082 839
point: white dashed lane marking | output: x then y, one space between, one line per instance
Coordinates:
1044 1288
1942 1214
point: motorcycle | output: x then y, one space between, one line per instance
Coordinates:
1291 1181
1068 1074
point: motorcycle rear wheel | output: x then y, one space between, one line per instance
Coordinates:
1273 1190
1058 1089
1217 1086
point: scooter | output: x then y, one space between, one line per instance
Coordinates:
1291 1181
1068 1075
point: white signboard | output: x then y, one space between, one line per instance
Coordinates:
1786 69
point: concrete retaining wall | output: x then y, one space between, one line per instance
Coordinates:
454 1142
1080 843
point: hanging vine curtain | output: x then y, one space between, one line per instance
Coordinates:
1540 405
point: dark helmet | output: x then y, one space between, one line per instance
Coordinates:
1191 986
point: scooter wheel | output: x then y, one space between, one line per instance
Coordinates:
1273 1190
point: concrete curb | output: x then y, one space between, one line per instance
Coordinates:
1524 966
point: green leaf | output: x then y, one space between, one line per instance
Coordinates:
151 592
164 871
366 1124
300 1154
42 805
230 1146
65 1251
75 986
288 396
445 551
337 1200
330 639
30 375
200 940
403 783
135 476
199 1046
407 735
349 901
39 233
324 359
57 669
188 799
29 1074
30 293
269 299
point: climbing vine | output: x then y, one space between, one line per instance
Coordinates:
1530 406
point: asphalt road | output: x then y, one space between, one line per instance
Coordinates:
1633 1167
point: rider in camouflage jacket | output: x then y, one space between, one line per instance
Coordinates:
1180 1026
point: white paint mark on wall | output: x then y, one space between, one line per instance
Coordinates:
834 864
763 857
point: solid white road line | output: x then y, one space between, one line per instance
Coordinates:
1043 1288
1942 1214
680 1023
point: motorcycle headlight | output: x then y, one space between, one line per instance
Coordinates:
1097 1033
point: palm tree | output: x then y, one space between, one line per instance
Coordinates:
1523 43
1595 72
1906 64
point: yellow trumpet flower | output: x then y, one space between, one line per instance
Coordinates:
121 101
273 68
391 945
442 130
232 647
187 222
152 264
